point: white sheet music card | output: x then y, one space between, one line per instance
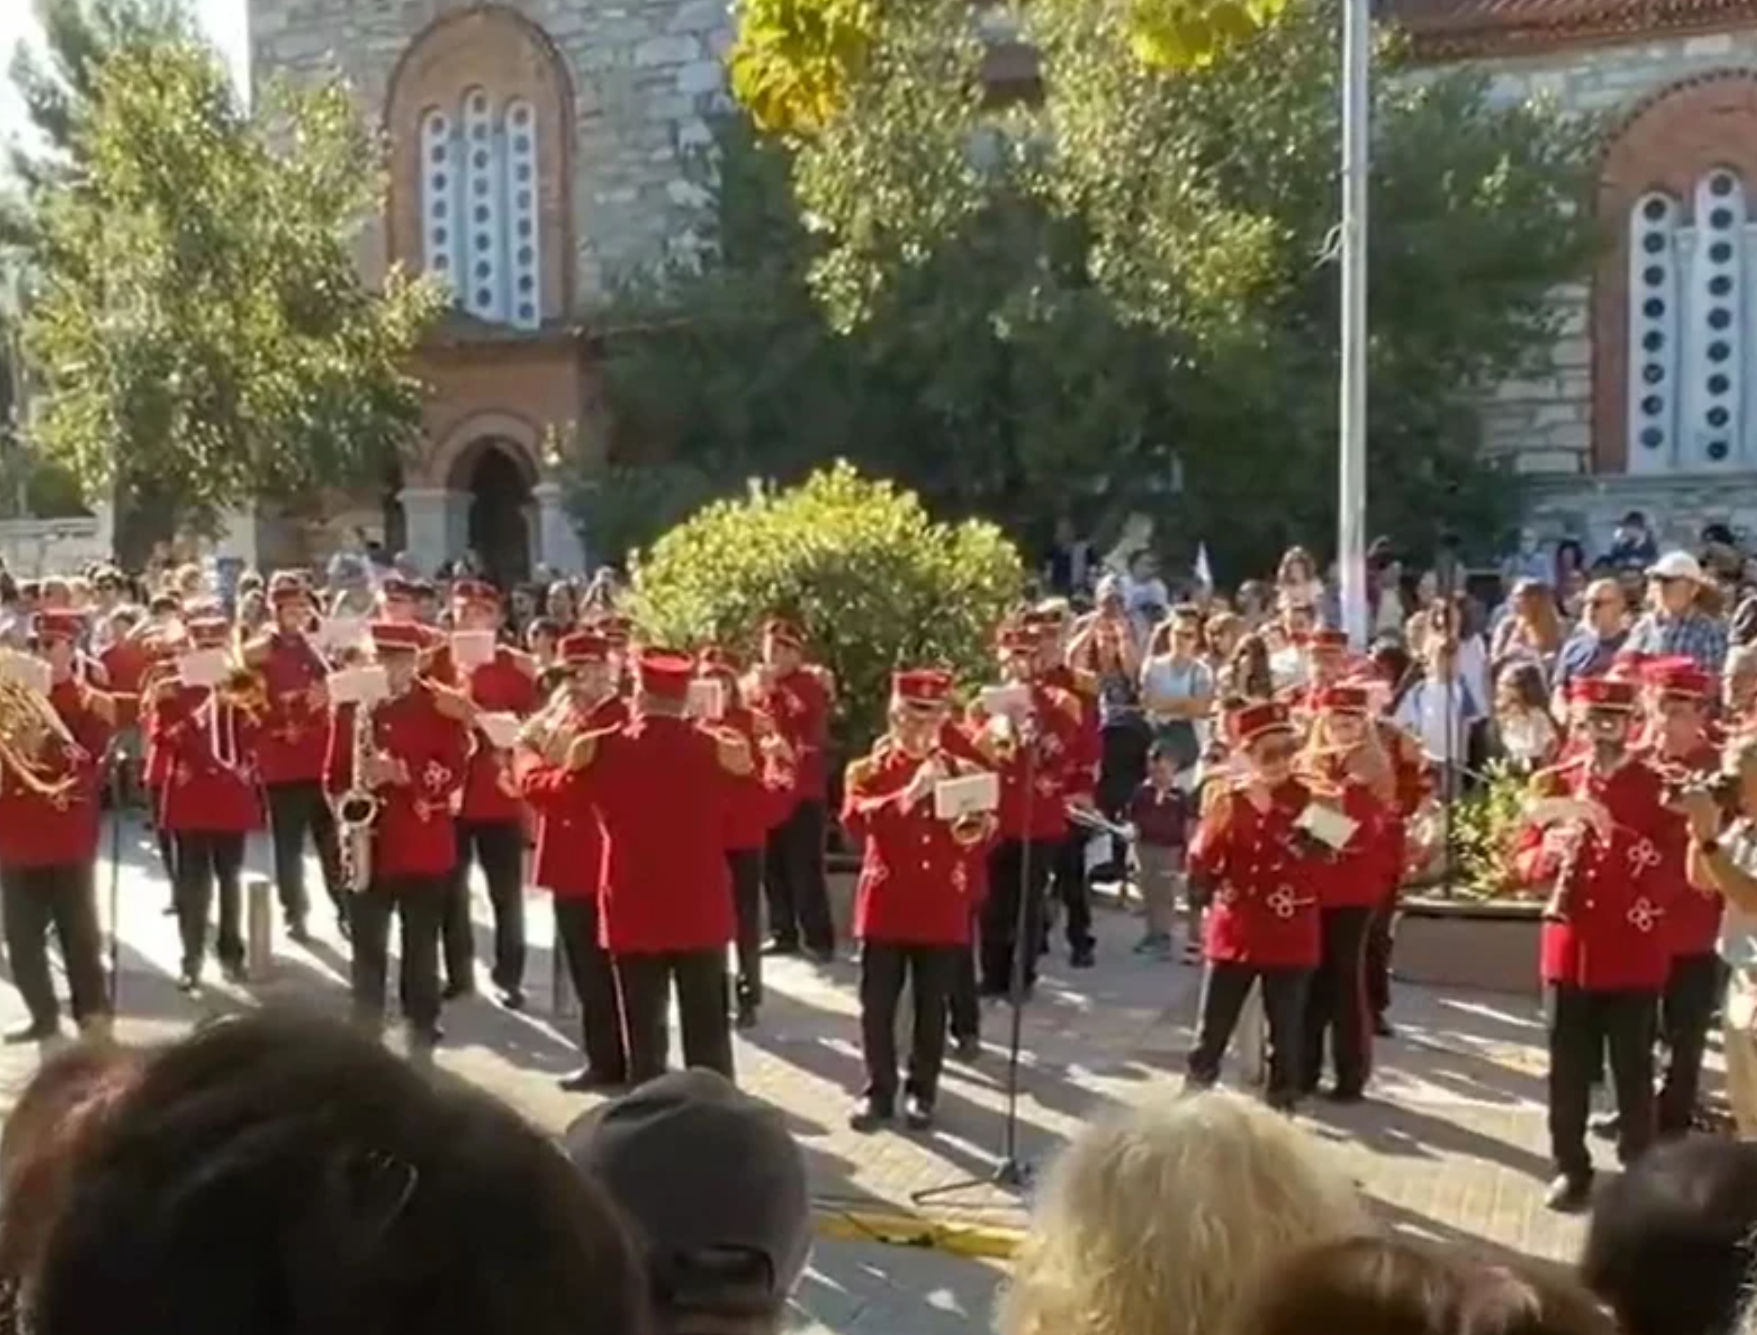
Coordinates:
1327 825
341 632
966 795
473 648
26 670
204 667
1100 852
706 699
501 730
1012 701
359 685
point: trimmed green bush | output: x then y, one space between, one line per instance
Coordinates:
873 580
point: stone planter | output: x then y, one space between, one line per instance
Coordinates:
1490 946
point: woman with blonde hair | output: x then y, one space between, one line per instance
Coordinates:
1161 1220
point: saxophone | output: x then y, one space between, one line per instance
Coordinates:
357 810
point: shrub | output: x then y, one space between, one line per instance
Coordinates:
1485 827
872 579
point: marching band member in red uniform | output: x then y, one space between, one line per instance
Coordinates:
1263 921
570 847
1681 749
663 786
289 752
794 693
490 823
1413 780
1050 622
1041 760
762 800
208 736
1606 945
1345 759
50 780
416 752
913 906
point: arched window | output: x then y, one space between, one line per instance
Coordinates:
1688 299
479 205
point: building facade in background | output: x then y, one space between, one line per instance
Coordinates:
538 150
1651 401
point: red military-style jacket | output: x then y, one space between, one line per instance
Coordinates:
208 747
1693 916
414 834
59 829
663 790
763 798
918 880
570 830
1354 877
1613 934
295 731
799 703
501 686
1037 782
1265 905
1083 687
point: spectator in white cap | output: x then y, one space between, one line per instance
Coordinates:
1674 625
714 1187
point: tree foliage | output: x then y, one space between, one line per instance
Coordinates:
874 581
198 316
1125 296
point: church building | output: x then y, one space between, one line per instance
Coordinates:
537 151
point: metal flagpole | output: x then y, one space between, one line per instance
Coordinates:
1351 510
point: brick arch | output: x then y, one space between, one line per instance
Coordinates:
498 49
1665 143
455 451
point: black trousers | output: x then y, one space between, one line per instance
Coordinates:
295 810
1004 927
1686 1009
419 903
793 877
499 845
746 865
594 983
963 1011
1378 956
884 968
1122 768
700 978
1336 1006
1583 1026
1068 877
32 900
204 860
1225 986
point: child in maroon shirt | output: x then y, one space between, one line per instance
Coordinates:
1159 811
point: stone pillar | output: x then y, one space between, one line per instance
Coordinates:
555 542
428 520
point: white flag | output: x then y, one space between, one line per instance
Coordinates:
1204 572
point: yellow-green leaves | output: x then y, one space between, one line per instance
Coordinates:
792 60
1189 34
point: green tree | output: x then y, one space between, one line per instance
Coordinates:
1131 282
874 581
199 326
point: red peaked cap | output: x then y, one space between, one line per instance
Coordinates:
1345 698
396 636
1678 676
922 686
1328 637
63 626
665 673
475 591
1605 693
1255 720
208 632
583 647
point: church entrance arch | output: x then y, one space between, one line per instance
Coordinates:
493 480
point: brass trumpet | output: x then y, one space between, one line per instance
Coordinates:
27 724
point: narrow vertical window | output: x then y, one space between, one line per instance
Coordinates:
1714 348
1653 329
484 279
439 180
526 302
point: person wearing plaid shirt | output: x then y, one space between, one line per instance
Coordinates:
1676 627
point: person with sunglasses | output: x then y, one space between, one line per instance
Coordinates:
1250 860
1594 833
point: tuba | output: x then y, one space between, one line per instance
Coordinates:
27 724
357 810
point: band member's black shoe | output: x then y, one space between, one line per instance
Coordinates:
169 911
1346 1094
298 932
1606 1126
1081 957
821 954
513 998
37 1031
588 1081
1382 1027
344 928
234 972
453 991
189 981
426 1036
917 1113
745 1016
1282 1101
1569 1194
781 945
870 1114
969 1050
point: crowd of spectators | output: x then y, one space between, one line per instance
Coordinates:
279 1175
